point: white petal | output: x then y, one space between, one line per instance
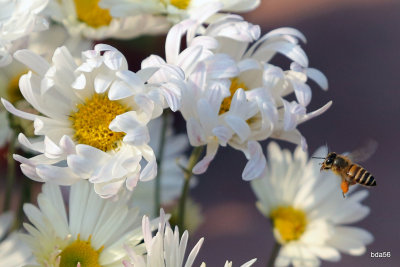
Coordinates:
32 61
120 90
207 115
172 43
289 117
114 59
58 175
249 263
108 190
207 42
248 64
223 134
353 213
318 77
150 171
52 150
203 164
302 92
351 240
10 108
189 58
102 82
131 181
193 254
80 82
292 51
37 146
172 94
126 122
67 144
221 66
145 73
256 164
146 104
316 113
137 136
103 47
286 31
239 126
325 253
195 132
132 79
30 171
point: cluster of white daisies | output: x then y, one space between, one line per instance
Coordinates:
95 126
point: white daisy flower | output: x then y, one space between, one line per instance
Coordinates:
171 174
42 43
91 232
175 10
18 19
166 248
308 212
94 119
13 251
232 95
88 19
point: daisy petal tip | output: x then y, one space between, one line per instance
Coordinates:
5 102
202 166
303 144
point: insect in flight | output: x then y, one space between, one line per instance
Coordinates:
351 173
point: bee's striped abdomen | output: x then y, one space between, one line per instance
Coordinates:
360 175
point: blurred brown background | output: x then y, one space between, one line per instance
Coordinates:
356 43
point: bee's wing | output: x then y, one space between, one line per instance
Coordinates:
364 152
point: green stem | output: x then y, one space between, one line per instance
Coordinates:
10 172
25 197
193 159
160 155
274 254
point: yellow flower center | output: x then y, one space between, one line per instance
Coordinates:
181 4
89 12
290 223
235 85
92 119
12 90
80 252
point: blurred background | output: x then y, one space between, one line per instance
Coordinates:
356 43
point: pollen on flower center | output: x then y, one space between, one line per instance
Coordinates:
290 223
80 252
92 119
12 90
226 103
181 4
89 12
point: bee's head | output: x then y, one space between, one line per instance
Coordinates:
327 164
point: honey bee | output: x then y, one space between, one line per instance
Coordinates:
351 173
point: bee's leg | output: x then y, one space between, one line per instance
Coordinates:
344 186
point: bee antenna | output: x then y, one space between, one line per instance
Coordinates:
317 158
